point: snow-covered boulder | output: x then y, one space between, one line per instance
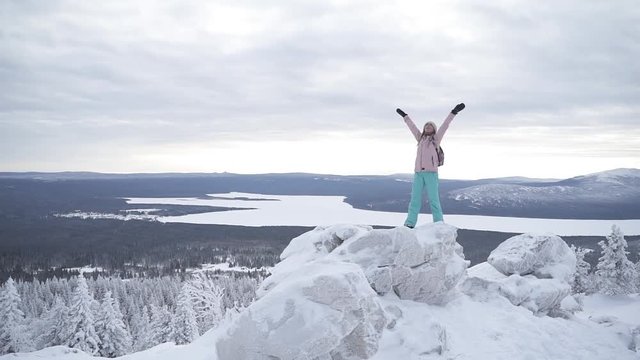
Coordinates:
320 241
482 282
308 247
541 296
321 300
545 256
326 309
538 295
424 264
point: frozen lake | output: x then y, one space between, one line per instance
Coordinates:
288 210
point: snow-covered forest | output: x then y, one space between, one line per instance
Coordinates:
108 316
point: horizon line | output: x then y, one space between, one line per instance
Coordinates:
82 172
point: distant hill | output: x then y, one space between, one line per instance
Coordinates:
612 194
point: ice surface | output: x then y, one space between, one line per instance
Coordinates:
304 210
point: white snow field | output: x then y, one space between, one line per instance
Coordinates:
353 292
304 210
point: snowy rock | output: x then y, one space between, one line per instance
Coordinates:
394 313
325 310
570 304
423 265
310 246
541 296
321 299
321 241
482 282
485 271
538 295
545 256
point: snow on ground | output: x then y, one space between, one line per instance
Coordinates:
624 308
305 210
498 330
97 215
474 330
612 176
225 267
145 211
85 269
202 348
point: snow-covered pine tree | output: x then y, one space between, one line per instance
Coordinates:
114 336
185 325
141 329
206 300
82 333
161 325
13 336
56 327
615 274
582 281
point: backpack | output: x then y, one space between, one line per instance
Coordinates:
440 155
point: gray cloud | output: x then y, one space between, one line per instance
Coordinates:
129 74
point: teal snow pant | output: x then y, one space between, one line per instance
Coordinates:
421 180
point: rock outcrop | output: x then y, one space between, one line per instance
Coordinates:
330 310
532 271
423 265
544 256
322 299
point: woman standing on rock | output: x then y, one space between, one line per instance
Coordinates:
426 166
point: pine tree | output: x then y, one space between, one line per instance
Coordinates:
13 336
615 274
185 325
206 300
161 325
582 282
83 333
114 336
56 325
141 330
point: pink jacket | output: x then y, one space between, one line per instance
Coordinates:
427 156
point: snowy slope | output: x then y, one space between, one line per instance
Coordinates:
475 330
473 320
615 186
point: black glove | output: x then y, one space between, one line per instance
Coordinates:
402 113
457 109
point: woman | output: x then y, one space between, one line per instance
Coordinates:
426 166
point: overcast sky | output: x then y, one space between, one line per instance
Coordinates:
552 87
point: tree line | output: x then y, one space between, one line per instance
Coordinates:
614 274
111 317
